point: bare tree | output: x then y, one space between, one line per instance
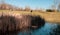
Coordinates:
27 8
57 4
59 7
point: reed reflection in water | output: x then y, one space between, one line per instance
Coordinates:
44 30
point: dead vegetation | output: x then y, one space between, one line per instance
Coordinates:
25 23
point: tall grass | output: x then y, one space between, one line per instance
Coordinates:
24 23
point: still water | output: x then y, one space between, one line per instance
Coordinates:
47 29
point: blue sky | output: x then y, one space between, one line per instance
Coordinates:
32 3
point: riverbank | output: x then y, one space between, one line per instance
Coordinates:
48 16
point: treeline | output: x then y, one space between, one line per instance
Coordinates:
14 8
27 8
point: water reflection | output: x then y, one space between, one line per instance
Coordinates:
56 31
45 30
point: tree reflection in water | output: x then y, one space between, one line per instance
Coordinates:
56 31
